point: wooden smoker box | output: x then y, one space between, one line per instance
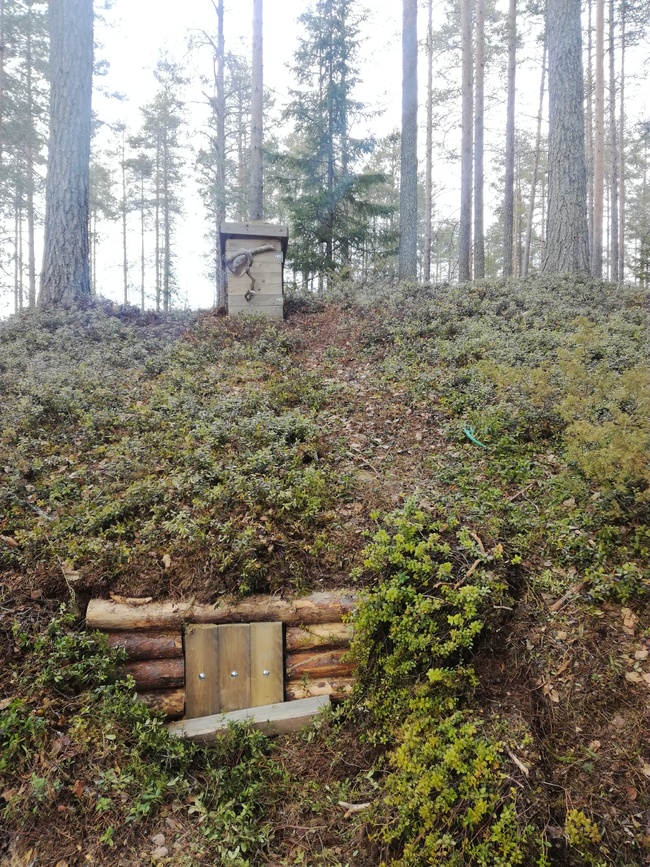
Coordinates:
253 255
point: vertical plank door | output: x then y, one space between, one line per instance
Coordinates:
201 675
233 666
267 664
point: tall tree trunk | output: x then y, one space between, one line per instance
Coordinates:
509 192
142 262
599 142
613 153
220 275
2 77
123 210
66 272
408 194
479 100
428 177
157 223
257 114
621 154
29 169
533 186
465 230
567 246
589 123
167 260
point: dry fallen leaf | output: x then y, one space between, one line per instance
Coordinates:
629 620
79 787
594 745
645 768
631 793
9 541
633 677
167 561
641 654
4 703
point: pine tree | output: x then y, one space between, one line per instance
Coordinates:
66 270
325 193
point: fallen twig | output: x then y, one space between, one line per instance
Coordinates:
568 596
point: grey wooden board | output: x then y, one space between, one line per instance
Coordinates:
280 718
267 664
201 654
263 230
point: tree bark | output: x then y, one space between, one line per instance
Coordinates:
156 673
613 152
567 247
318 664
479 109
220 275
533 187
465 230
428 179
66 273
257 114
322 635
408 194
509 191
324 607
621 154
29 168
147 645
599 142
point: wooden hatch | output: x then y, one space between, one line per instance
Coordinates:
253 255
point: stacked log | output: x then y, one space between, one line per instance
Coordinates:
316 642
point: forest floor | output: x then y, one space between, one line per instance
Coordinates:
497 434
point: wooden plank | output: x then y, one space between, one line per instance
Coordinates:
171 702
304 688
251 242
233 666
202 687
259 229
281 718
318 663
267 664
156 673
321 607
322 635
148 645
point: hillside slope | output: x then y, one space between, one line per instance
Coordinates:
476 458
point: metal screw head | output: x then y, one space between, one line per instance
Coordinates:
234 674
202 676
266 672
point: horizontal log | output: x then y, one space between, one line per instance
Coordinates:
286 716
322 607
156 673
303 688
148 645
318 635
171 702
317 664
